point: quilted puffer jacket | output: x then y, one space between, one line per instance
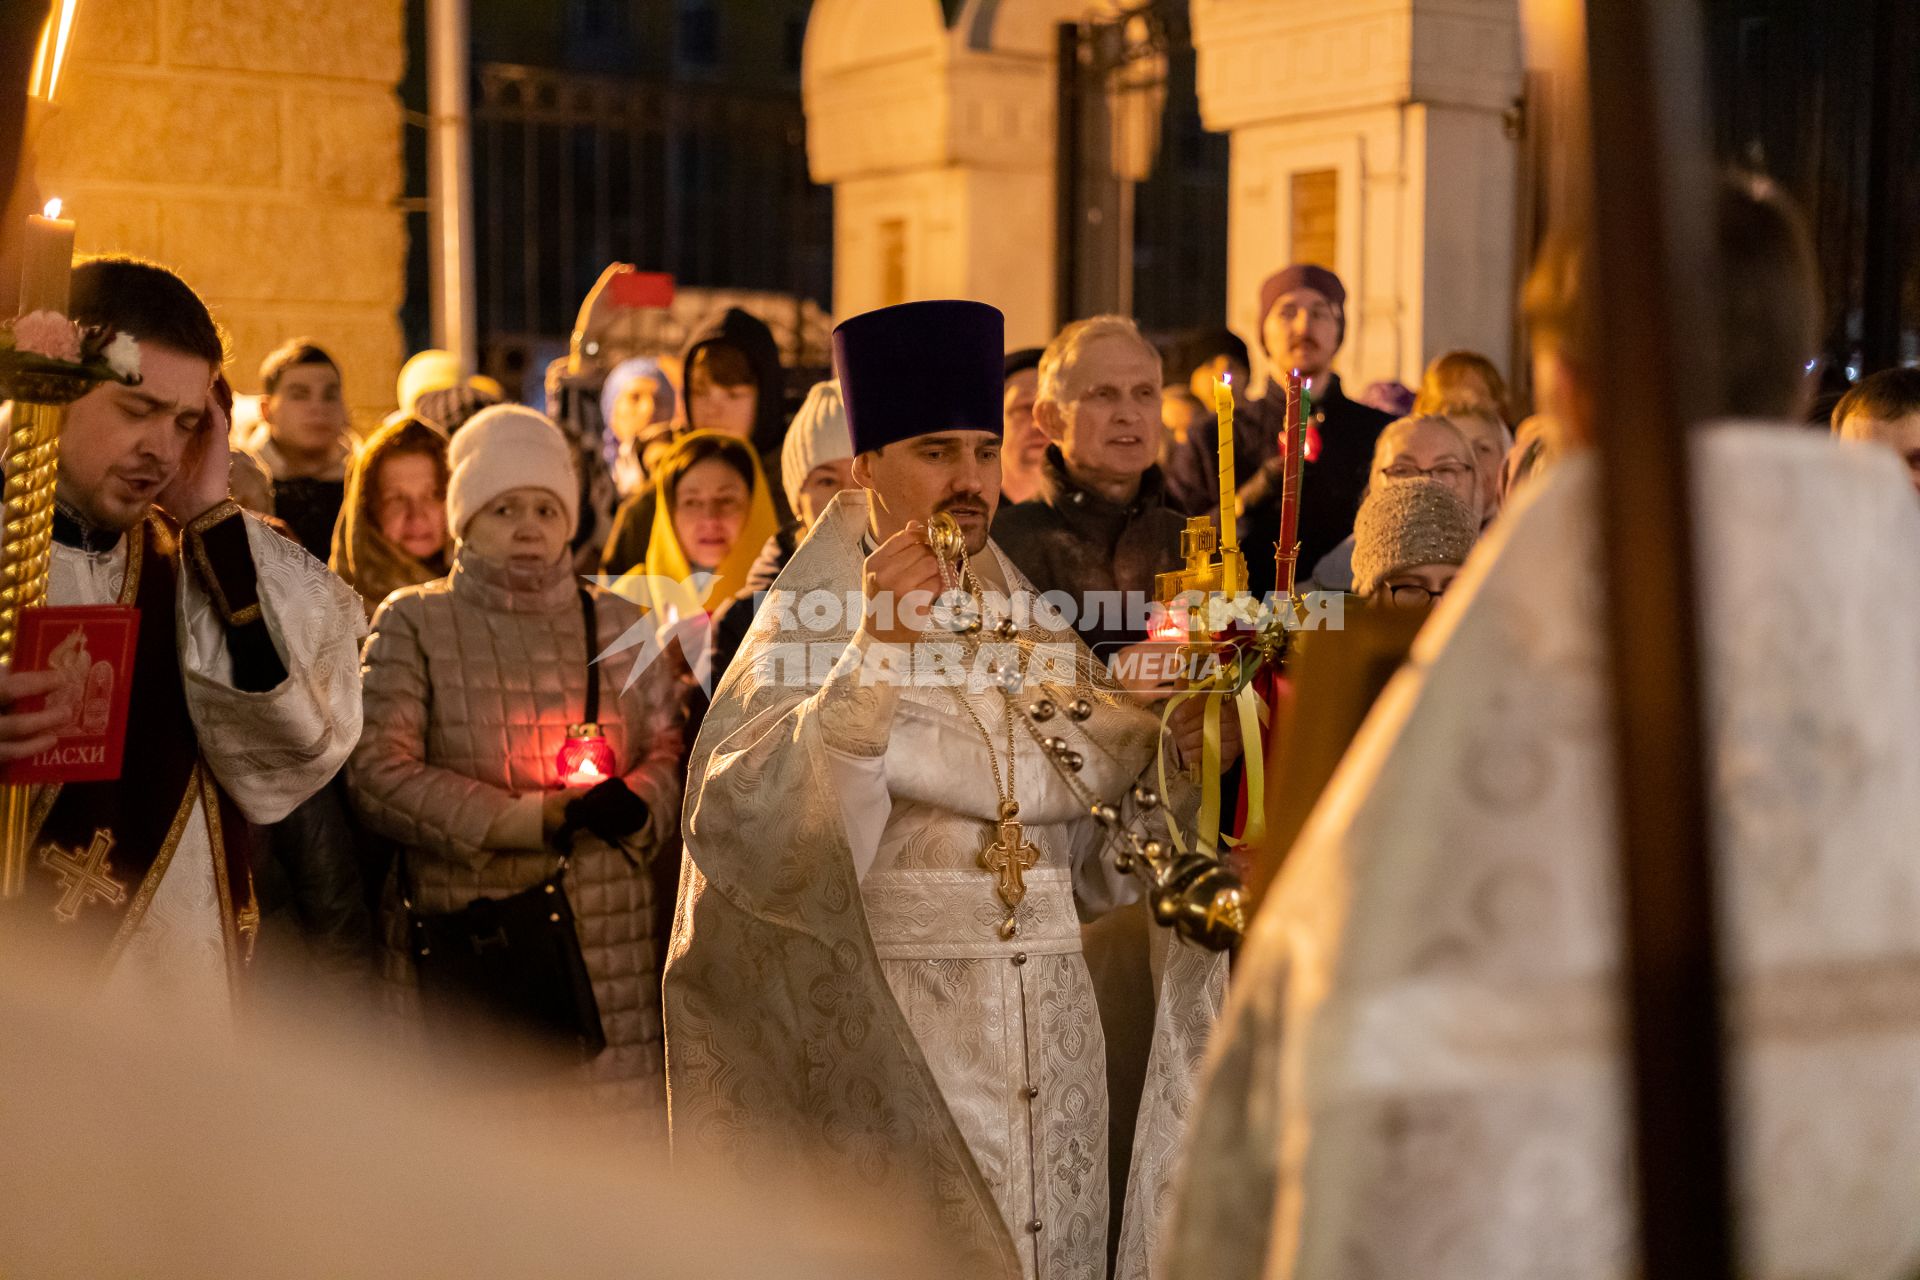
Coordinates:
469 688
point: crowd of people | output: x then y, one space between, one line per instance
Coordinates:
706 485
492 654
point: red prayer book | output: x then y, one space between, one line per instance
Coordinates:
91 646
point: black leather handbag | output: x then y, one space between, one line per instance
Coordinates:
507 967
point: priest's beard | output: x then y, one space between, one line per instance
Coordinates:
105 511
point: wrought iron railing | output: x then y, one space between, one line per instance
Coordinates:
573 171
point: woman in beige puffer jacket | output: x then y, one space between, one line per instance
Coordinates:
470 684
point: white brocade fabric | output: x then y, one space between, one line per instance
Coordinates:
177 958
269 750
1421 1072
837 987
1009 1027
272 750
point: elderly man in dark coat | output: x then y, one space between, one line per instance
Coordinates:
1100 528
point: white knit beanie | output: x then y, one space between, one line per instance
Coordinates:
818 434
508 447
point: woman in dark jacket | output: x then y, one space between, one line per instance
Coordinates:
731 382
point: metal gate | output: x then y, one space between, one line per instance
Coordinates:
572 172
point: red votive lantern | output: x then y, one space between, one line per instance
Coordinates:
586 757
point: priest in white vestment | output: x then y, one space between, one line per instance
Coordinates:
245 674
851 980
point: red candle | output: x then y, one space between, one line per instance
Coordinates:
1293 446
585 758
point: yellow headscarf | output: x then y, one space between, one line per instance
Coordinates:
663 581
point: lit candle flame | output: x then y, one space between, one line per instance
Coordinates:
588 769
53 207
1227 378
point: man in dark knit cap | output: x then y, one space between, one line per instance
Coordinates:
877 952
1303 310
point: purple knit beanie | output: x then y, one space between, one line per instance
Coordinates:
1303 275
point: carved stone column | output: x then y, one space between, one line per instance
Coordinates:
939 143
1373 132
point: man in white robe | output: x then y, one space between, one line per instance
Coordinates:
245 677
849 982
1423 1070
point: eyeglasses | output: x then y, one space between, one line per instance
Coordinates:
1445 472
1412 594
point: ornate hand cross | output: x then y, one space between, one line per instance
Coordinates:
83 877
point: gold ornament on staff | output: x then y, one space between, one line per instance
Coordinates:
46 363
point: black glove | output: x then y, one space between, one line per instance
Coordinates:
611 811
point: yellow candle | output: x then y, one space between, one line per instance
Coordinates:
1223 409
46 274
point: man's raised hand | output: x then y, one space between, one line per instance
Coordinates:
202 481
900 581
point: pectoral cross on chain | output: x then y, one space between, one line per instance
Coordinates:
1010 857
83 877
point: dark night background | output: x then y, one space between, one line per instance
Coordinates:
670 133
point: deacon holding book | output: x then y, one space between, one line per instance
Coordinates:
877 960
245 668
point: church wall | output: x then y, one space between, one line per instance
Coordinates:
1468 279
255 148
944 233
1012 251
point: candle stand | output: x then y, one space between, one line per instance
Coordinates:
40 389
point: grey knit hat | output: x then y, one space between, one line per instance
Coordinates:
1405 523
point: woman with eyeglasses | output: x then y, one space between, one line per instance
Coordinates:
1430 448
1410 539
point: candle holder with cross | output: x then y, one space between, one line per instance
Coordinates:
40 386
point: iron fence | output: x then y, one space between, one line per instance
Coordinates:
573 171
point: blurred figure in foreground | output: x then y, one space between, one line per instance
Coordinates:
1423 1069
315 1154
1885 410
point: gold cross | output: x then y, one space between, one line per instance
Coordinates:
83 877
1010 856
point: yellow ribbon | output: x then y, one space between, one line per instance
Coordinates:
1207 823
